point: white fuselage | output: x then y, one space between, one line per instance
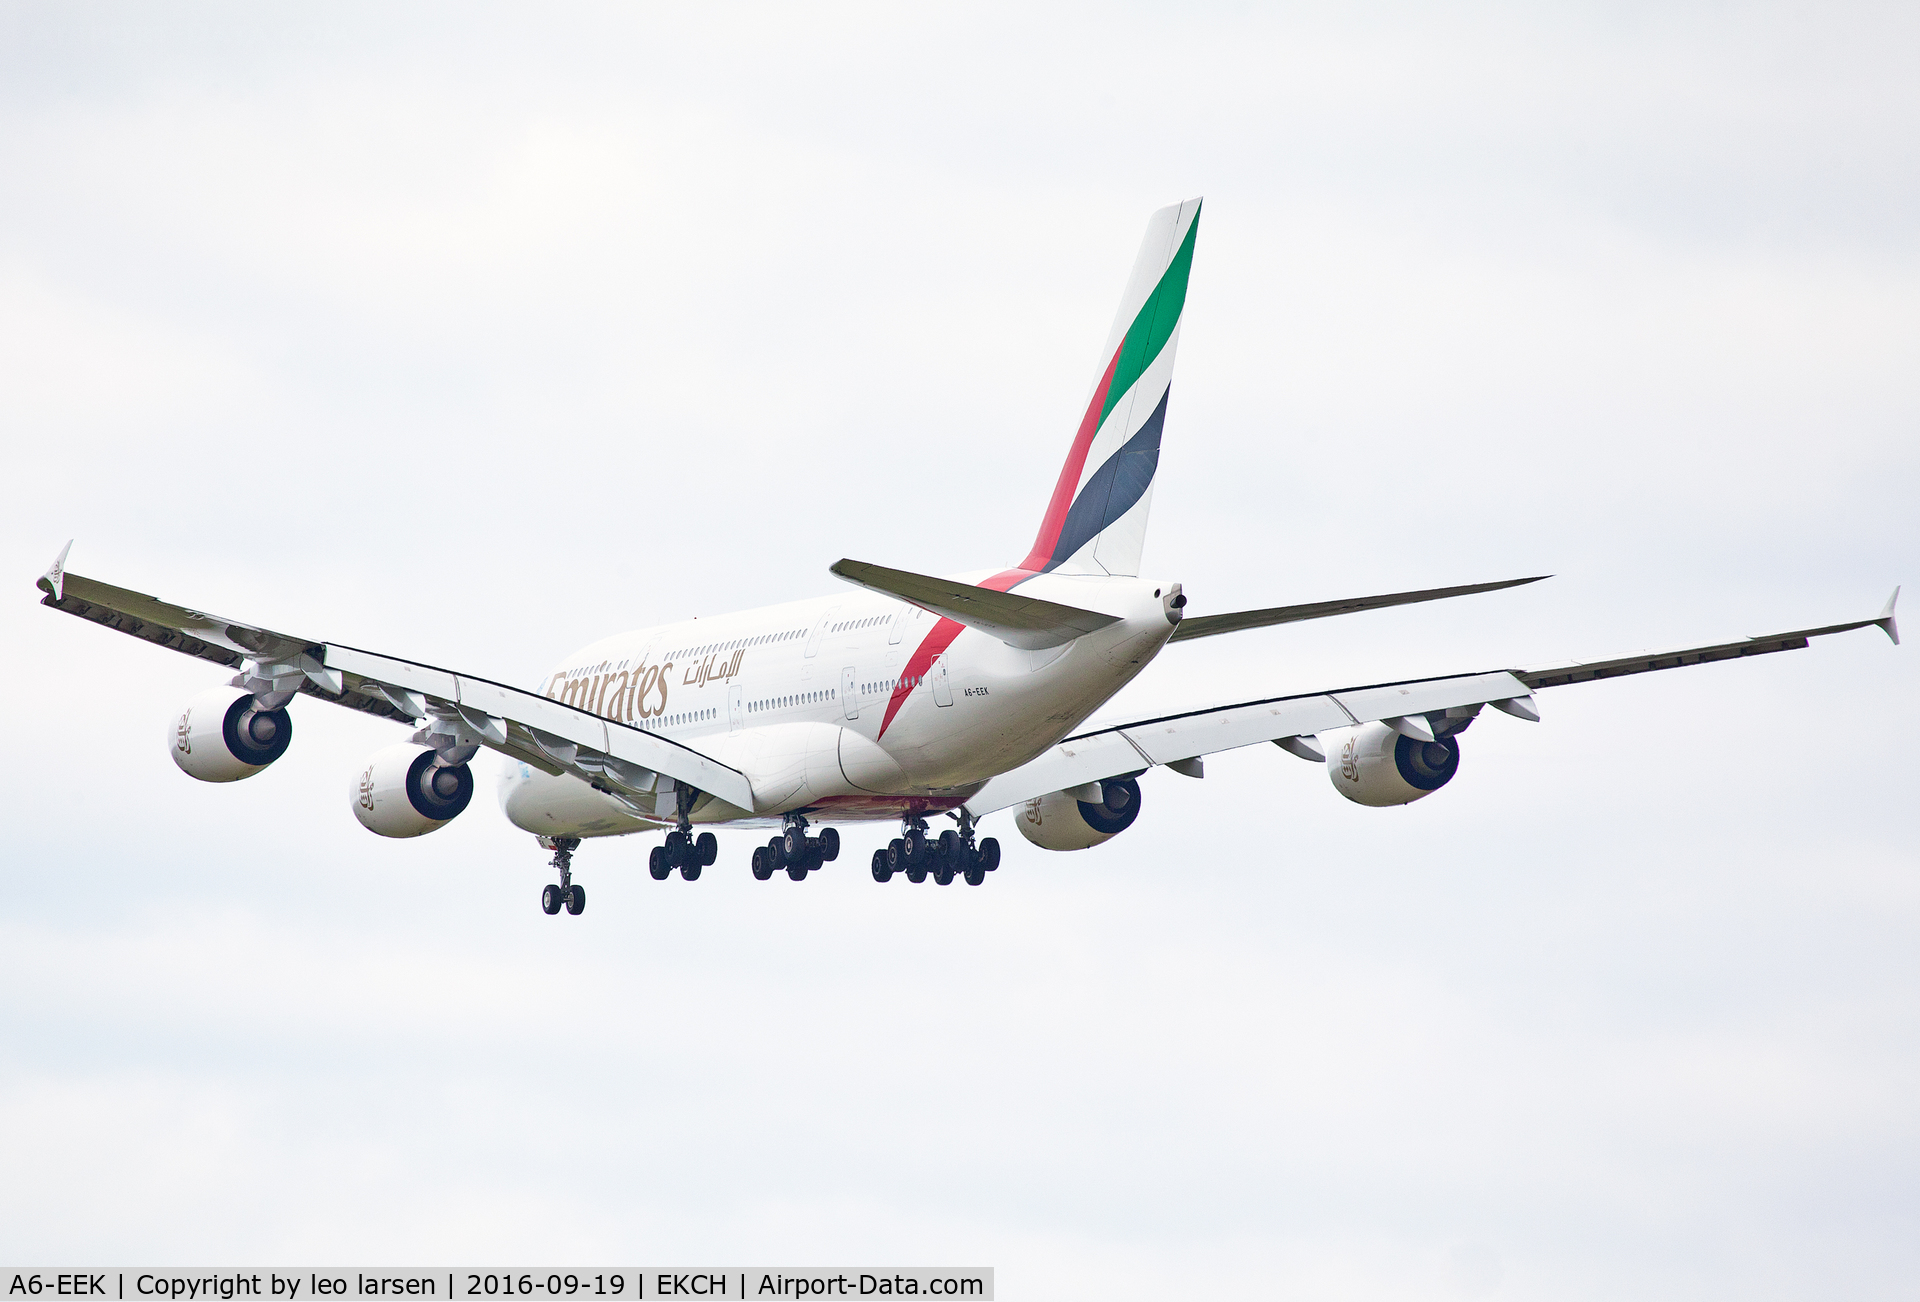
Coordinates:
851 707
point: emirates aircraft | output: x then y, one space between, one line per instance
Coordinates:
902 698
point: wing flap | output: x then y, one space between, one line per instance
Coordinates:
1025 622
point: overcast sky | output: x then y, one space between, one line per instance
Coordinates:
474 334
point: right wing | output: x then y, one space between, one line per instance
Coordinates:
1419 708
454 710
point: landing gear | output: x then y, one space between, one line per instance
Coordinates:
953 854
566 894
683 852
795 851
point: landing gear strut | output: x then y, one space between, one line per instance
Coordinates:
953 853
566 894
795 851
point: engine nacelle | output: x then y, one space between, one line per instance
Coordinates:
1062 821
405 790
1374 765
223 735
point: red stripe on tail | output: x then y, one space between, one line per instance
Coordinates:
1056 515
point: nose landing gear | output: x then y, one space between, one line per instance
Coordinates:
565 895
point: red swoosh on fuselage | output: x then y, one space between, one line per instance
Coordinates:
938 640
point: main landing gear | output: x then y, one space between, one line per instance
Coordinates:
795 851
572 897
682 850
951 854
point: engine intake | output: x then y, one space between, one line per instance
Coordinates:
405 790
223 735
1062 821
1374 765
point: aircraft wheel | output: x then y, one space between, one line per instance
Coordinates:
708 849
762 863
691 871
829 844
794 845
917 874
951 848
777 847
797 872
577 900
976 875
989 855
659 864
550 899
896 854
943 875
882 870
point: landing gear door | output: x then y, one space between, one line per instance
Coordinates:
736 707
942 689
849 696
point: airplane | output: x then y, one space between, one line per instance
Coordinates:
902 699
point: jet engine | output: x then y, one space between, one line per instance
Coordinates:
1065 821
405 790
223 735
1374 765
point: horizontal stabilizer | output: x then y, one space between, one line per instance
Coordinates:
1239 621
1025 622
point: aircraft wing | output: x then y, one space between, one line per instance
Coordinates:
453 709
1419 708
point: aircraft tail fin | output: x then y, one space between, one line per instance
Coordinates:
1096 521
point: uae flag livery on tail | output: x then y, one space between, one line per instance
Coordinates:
1096 521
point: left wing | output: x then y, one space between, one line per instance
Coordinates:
1422 708
457 712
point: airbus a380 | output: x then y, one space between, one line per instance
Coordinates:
903 698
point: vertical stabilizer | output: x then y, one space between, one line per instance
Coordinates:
1096 521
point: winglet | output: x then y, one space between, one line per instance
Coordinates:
54 581
1885 623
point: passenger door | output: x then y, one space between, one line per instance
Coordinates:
736 707
849 693
942 689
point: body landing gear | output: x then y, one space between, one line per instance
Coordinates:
565 895
952 854
795 851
